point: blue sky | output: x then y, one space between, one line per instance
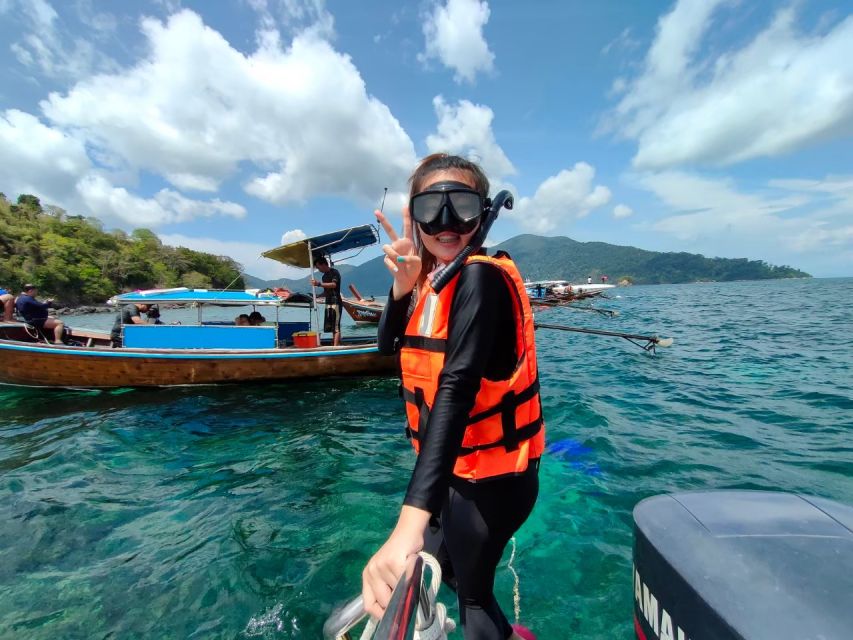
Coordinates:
719 127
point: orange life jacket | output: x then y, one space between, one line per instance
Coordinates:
505 427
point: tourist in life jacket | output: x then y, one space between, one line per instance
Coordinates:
468 364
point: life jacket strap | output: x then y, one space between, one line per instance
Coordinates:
524 433
511 436
422 343
510 400
418 399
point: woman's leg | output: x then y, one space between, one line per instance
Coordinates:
477 522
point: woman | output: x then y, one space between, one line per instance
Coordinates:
468 366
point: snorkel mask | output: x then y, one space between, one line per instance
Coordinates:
448 206
491 209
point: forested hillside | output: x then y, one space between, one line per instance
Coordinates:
75 260
552 258
562 258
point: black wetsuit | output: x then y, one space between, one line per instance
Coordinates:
472 521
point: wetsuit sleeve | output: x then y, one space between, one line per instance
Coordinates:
481 303
392 324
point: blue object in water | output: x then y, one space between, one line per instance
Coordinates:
569 451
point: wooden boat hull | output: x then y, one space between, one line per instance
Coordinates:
367 313
42 365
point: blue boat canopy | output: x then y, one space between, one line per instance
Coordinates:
299 254
203 296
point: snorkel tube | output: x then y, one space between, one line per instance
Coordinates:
503 199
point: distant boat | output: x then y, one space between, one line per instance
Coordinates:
204 352
362 310
557 292
587 290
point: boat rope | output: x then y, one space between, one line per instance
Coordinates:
650 341
433 624
516 592
431 620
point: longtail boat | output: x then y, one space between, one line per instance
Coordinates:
361 309
203 352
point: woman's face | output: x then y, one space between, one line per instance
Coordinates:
446 245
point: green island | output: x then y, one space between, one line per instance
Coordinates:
74 259
561 258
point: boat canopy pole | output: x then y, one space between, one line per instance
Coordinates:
650 341
313 290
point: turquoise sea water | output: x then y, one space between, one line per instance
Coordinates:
249 511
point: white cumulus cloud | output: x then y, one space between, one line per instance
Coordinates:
166 207
465 129
39 160
788 219
622 211
560 200
248 254
294 235
780 91
454 35
193 111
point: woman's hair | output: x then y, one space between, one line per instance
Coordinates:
427 166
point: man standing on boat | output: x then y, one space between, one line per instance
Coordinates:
331 285
129 314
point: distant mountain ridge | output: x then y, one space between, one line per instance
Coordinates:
561 258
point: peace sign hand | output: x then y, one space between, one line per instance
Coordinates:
400 256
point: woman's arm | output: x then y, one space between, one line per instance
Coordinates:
392 323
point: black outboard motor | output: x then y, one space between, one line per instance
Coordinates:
742 565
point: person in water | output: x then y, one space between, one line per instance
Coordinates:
468 363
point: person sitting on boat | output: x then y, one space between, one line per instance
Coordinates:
129 314
242 320
256 319
468 361
331 285
35 313
7 301
153 315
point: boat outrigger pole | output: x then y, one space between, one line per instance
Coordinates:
647 343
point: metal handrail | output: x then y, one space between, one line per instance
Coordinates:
399 615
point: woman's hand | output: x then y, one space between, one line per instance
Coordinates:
384 569
400 256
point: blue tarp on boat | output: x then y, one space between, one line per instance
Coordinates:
200 296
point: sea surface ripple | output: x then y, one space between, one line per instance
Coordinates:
249 511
